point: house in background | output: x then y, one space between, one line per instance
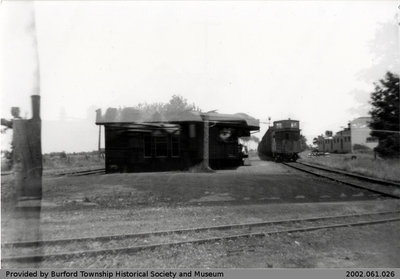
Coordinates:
136 142
356 135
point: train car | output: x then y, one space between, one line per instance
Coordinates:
281 142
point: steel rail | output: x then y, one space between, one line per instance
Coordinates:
89 173
181 231
359 176
383 193
83 172
72 173
38 257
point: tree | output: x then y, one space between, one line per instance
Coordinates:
384 48
176 105
384 51
385 122
303 143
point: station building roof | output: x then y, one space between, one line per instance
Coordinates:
131 117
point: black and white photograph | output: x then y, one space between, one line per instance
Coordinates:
200 135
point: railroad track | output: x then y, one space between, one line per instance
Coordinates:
71 173
384 188
47 250
83 172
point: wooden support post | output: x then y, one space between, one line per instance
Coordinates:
98 119
99 149
206 145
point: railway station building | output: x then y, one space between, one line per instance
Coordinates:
136 142
356 135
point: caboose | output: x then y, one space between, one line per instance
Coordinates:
281 142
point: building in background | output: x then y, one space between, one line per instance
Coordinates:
361 133
136 142
355 137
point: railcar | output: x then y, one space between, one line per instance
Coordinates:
281 142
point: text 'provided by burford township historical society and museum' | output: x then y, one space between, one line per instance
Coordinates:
46 274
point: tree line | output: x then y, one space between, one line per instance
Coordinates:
385 123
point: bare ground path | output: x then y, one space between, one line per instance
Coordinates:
128 203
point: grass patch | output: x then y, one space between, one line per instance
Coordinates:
364 164
65 161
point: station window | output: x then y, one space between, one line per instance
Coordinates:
278 125
192 131
175 146
293 125
147 145
161 146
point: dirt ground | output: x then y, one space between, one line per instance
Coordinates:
374 246
263 182
128 203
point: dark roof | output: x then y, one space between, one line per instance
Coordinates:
134 116
145 127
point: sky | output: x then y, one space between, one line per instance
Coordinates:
313 61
